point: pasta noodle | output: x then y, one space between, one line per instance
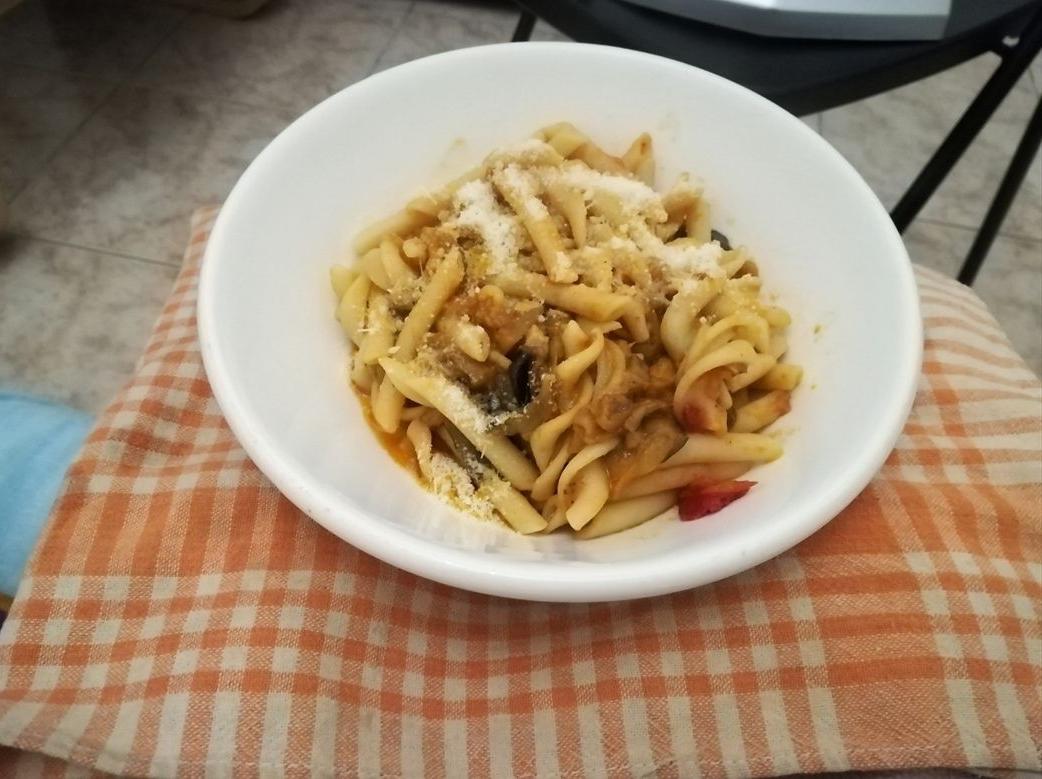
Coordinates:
469 338
373 267
352 307
560 345
757 414
379 336
625 514
639 160
398 270
544 437
727 448
341 278
681 476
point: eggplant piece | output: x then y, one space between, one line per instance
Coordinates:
522 377
542 407
468 457
498 400
522 394
720 238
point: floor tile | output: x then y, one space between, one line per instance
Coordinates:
890 137
40 110
211 92
544 32
131 177
1010 280
74 321
290 55
104 38
431 27
940 247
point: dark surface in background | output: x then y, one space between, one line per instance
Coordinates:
802 75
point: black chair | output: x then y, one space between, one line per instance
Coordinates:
806 76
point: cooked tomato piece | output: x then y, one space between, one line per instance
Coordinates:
696 501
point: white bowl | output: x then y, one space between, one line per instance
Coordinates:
277 359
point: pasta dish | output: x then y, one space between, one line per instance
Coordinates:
549 341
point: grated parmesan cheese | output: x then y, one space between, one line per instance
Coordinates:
703 260
449 481
521 183
635 196
460 405
463 408
478 209
528 150
452 483
622 244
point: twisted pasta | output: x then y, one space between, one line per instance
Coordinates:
560 345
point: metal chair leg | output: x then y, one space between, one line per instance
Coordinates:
977 115
525 23
1011 181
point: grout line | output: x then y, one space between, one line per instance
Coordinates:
174 28
390 39
974 230
178 90
1036 81
115 86
60 72
94 249
174 90
43 166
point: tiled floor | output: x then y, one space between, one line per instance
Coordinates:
117 118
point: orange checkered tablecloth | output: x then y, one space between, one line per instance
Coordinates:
180 617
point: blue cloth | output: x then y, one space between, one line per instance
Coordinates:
38 440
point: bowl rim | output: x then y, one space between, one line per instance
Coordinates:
546 580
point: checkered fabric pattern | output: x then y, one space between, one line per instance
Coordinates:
180 617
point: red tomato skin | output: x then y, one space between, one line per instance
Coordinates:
696 502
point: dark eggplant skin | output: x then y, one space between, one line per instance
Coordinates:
513 389
466 454
720 238
521 377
